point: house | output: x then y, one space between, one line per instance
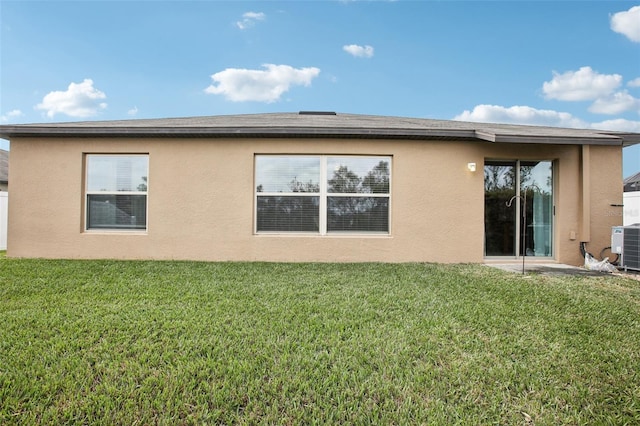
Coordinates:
4 197
632 183
4 170
631 202
312 186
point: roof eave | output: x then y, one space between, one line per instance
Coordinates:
557 140
17 131
488 135
630 139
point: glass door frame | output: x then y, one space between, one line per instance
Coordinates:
518 205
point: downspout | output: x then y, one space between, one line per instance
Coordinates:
585 211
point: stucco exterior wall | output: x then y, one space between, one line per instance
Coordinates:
606 205
201 200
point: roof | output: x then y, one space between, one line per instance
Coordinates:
4 166
322 124
632 183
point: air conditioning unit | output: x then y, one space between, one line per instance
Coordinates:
625 241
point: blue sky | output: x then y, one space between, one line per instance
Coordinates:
560 63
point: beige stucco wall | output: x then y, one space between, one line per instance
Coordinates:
606 195
201 200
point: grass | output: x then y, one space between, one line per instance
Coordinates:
109 342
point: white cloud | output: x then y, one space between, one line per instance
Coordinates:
79 100
619 125
627 23
358 51
616 103
133 111
582 85
634 83
249 19
240 85
520 115
15 113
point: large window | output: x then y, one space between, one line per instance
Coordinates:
116 192
322 194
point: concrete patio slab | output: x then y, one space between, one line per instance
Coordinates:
546 269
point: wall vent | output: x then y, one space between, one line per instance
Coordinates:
317 113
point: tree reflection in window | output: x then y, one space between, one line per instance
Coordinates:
290 213
346 181
358 213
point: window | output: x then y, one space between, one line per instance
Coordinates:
116 192
322 194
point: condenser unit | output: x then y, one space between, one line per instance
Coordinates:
625 241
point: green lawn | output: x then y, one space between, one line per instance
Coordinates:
107 342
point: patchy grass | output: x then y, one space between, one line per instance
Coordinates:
108 342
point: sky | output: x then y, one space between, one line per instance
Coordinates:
560 63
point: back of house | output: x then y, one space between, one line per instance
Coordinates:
312 187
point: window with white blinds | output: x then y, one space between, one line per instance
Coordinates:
322 194
116 192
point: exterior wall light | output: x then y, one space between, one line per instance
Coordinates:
471 167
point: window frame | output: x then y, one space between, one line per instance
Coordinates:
87 193
323 194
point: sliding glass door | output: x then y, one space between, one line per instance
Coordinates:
518 212
499 220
